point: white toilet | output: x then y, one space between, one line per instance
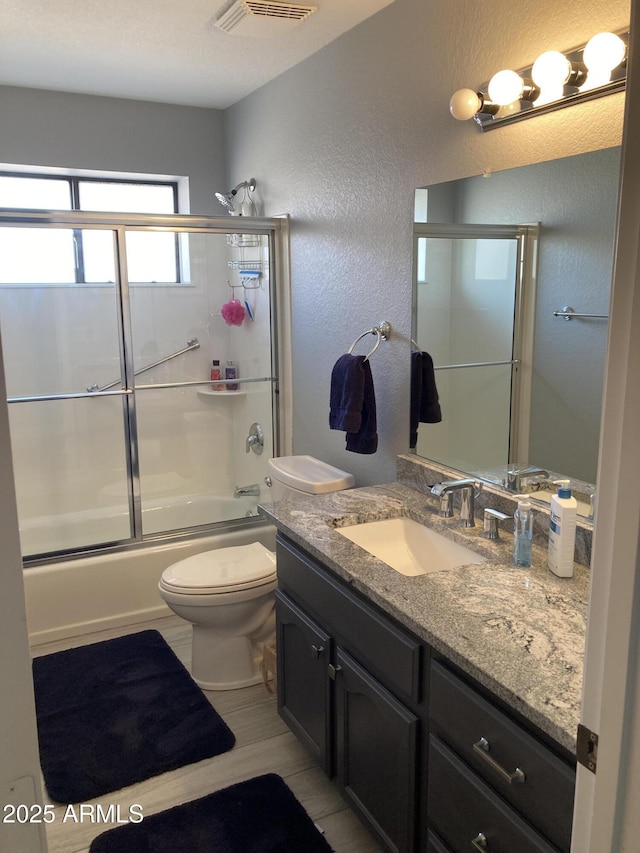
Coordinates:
227 594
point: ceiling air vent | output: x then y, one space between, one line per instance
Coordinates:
261 18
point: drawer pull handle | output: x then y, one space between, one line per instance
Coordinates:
482 749
316 651
480 842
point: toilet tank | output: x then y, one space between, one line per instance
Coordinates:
304 475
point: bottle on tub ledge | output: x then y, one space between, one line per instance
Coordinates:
216 374
562 530
231 372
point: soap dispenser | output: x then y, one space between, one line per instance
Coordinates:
522 532
562 530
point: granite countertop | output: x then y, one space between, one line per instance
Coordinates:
519 632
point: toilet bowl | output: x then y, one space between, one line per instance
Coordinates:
228 594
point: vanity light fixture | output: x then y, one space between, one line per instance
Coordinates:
554 80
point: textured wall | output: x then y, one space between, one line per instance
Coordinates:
340 142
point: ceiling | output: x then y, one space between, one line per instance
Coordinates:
157 50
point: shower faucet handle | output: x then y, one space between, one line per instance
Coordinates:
255 439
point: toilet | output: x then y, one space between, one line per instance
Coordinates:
228 594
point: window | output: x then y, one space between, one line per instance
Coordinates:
62 256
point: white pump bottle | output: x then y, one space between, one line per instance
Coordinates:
562 530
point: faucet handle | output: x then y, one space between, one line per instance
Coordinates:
490 527
446 505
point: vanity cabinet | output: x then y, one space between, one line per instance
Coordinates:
345 676
431 761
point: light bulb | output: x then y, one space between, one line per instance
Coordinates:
505 87
464 104
551 70
604 52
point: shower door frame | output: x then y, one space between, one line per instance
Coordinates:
277 232
527 239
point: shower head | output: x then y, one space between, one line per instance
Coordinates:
226 199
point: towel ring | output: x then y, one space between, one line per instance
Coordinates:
382 330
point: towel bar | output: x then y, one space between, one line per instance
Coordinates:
382 330
568 313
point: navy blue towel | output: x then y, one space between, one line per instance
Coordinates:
353 403
347 393
425 403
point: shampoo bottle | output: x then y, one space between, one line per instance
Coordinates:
562 530
231 372
216 373
522 532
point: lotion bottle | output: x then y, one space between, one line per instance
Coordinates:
562 530
522 532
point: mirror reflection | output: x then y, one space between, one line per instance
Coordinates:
496 259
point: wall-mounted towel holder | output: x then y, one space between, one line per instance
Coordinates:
568 313
382 330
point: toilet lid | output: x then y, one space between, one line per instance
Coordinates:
225 569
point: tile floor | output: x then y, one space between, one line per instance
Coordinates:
263 745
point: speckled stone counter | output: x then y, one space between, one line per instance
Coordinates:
519 632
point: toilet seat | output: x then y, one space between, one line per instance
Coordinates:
224 570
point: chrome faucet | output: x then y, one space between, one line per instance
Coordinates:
467 490
516 475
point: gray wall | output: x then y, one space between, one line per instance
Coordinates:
64 130
340 142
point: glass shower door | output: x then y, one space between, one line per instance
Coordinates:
70 453
195 465
110 324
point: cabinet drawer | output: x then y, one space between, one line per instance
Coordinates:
467 815
385 650
496 747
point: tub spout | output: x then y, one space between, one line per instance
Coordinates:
246 491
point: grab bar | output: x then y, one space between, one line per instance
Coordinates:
192 343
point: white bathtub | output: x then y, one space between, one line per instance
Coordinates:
73 597
91 527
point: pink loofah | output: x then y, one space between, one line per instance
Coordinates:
233 312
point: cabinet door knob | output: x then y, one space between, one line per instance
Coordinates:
480 842
316 651
481 748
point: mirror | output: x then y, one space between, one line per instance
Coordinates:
553 388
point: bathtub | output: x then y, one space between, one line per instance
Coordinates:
86 528
73 597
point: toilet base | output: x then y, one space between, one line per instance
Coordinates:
224 663
229 685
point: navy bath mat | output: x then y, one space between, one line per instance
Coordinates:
114 713
257 816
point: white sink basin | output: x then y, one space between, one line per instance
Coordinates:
409 547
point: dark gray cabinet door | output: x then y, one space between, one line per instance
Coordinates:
376 749
304 687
